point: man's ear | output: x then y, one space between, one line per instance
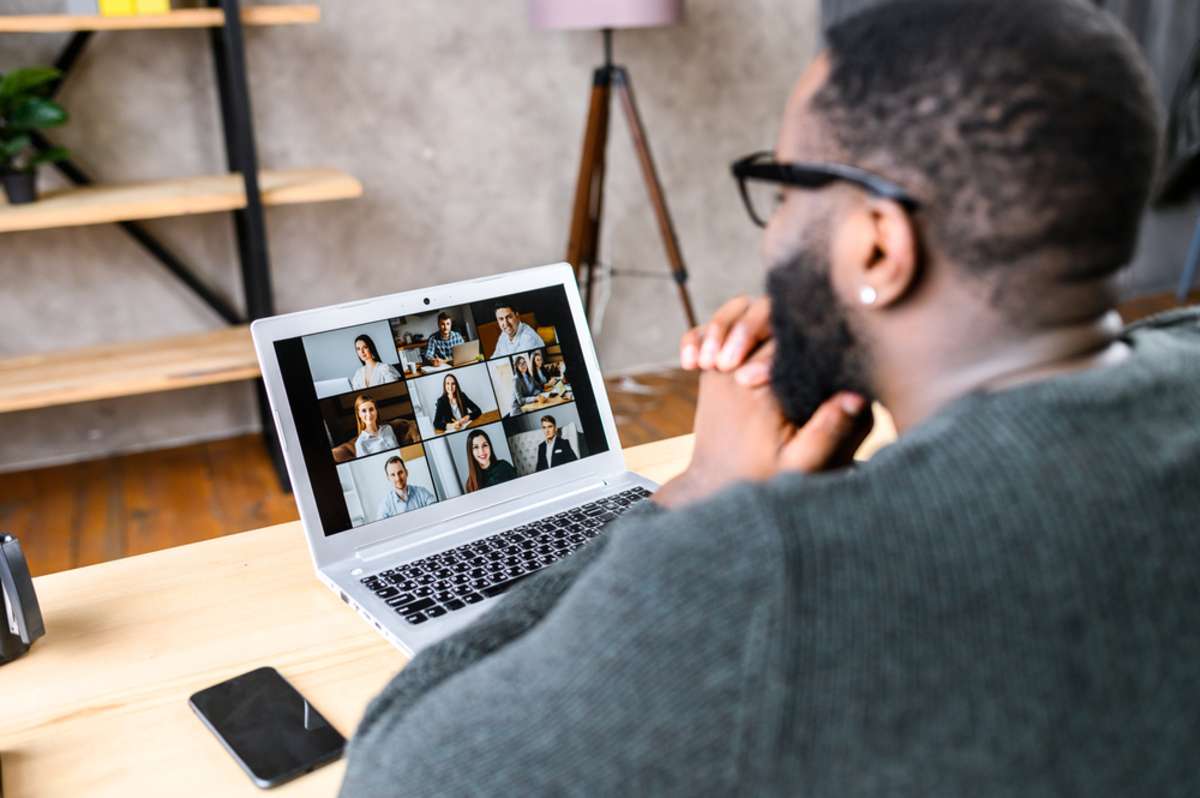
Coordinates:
876 257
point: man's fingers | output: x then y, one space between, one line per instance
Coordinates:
756 371
746 334
718 328
815 445
689 347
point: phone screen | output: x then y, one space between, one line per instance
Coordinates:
268 727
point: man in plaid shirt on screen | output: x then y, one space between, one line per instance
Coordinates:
441 344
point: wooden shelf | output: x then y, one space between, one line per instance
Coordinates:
104 372
179 197
184 18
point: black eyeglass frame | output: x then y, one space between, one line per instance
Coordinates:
812 175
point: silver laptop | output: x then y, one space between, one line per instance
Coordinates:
466 352
421 535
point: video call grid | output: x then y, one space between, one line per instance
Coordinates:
447 435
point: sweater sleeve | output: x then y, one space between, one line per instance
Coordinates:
573 683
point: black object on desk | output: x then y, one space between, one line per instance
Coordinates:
21 622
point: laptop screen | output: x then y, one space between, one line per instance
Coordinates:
396 415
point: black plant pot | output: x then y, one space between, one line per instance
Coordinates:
21 187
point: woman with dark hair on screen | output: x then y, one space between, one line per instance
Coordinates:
455 409
373 370
525 387
483 467
538 369
372 437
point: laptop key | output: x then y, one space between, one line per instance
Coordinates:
387 592
454 604
472 598
401 600
444 595
435 612
416 618
502 587
416 606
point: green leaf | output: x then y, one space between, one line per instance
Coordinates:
11 147
36 112
22 81
52 155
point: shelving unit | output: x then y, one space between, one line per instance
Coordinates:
222 355
179 197
105 372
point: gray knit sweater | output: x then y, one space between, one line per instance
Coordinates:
1006 602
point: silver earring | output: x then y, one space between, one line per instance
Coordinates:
867 295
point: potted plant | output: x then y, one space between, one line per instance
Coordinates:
25 106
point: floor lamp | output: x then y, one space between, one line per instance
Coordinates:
583 245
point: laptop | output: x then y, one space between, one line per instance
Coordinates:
464 353
420 538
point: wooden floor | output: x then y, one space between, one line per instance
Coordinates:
85 513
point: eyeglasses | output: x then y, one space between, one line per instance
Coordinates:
761 170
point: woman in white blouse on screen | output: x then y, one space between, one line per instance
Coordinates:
372 437
373 371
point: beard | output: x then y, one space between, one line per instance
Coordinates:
816 352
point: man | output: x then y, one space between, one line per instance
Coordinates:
515 335
440 350
560 448
1004 601
402 497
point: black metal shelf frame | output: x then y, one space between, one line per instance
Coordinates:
229 59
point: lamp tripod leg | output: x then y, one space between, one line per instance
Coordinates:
624 88
583 246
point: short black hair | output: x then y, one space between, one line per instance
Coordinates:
504 303
1028 129
549 418
394 459
444 316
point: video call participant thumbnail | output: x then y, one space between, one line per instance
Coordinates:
440 349
402 497
484 469
373 370
455 409
373 437
559 448
515 335
525 386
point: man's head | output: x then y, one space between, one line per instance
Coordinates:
444 323
397 473
507 318
1027 132
549 428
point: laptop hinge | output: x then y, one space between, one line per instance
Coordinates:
384 548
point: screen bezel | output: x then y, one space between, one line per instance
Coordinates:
430 522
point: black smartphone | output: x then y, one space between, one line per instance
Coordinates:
268 727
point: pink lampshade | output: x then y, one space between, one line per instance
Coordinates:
597 14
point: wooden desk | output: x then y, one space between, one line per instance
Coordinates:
98 707
490 417
549 402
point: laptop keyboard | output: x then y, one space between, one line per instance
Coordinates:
450 580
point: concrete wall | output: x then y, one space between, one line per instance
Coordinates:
465 127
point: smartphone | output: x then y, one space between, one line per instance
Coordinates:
272 731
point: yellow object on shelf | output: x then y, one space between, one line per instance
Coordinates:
153 6
117 8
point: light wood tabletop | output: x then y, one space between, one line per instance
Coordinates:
98 707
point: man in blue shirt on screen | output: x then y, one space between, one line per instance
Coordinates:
403 497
